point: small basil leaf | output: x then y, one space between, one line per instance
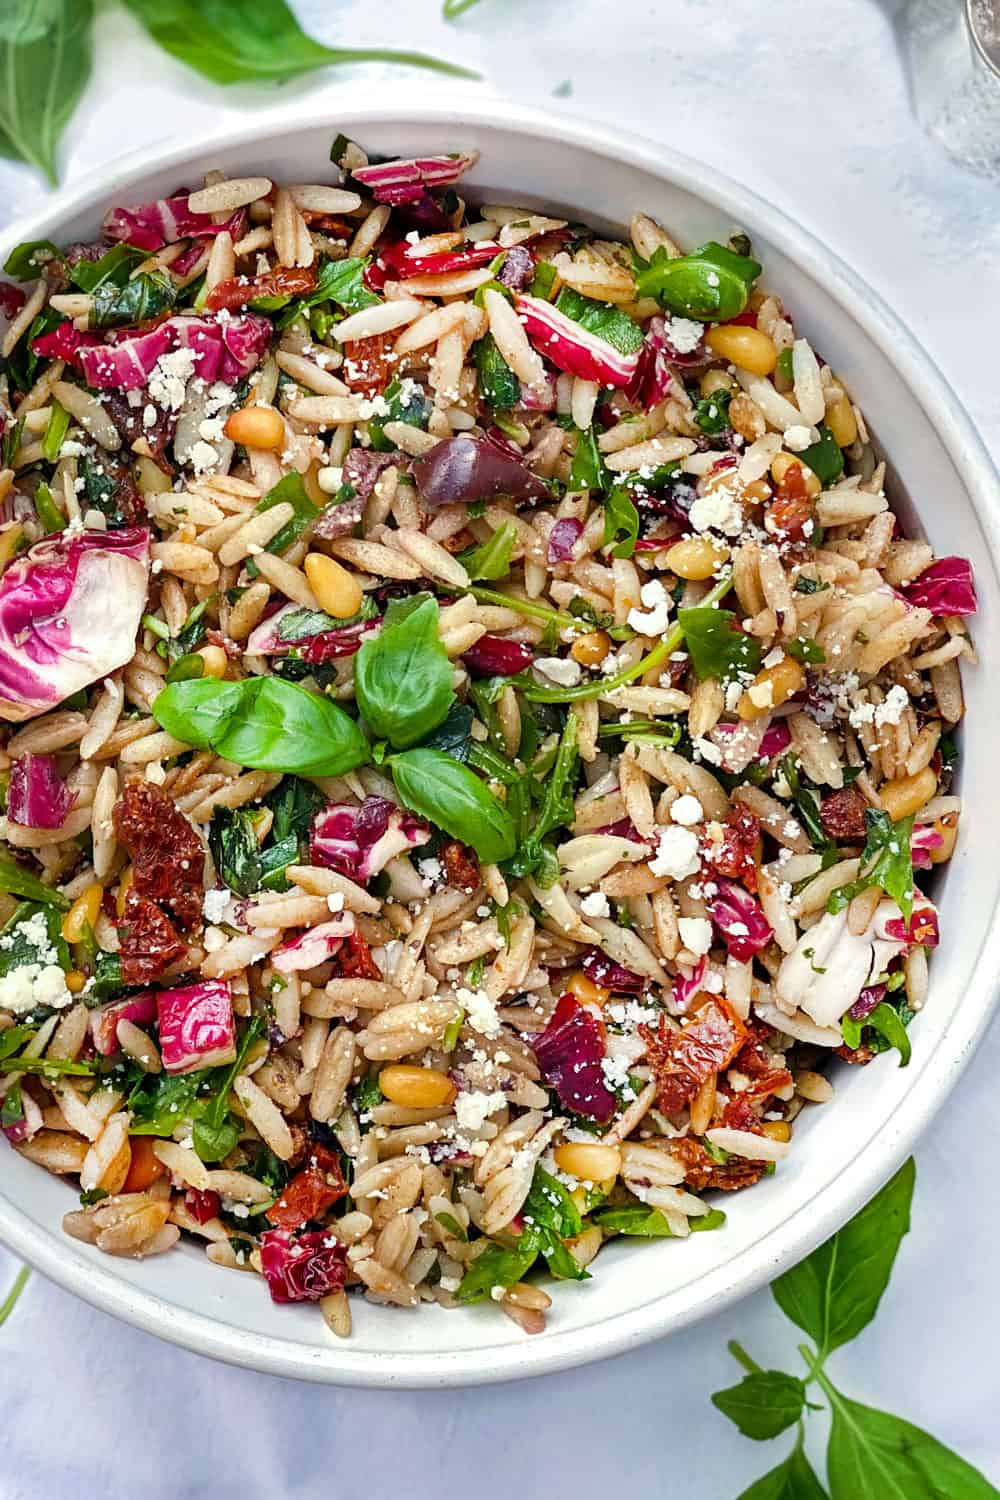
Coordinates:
824 457
886 861
197 709
289 491
792 1480
27 260
762 1404
452 797
213 1142
498 385
716 647
402 677
498 1266
712 284
454 733
144 297
835 1292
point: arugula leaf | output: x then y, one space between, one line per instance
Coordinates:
557 805
214 1134
549 1204
402 676
835 1292
55 434
231 42
498 1265
45 64
588 471
17 881
886 1020
824 457
712 284
886 861
498 385
161 1101
807 805
717 647
491 559
343 282
27 260
106 982
145 296
874 1455
601 319
453 735
453 797
792 1480
289 491
21 948
621 521
763 1403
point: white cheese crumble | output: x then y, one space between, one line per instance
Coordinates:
696 934
473 1108
215 904
595 905
717 511
687 810
170 376
685 334
796 437
676 853
560 669
657 601
335 901
480 1011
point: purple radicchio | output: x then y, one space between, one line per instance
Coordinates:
150 226
197 1029
684 990
570 1053
518 269
302 1267
139 1009
404 180
945 588
870 999
571 347
922 930
315 946
69 612
609 975
744 927
276 636
496 656
224 350
463 469
923 840
653 376
360 841
37 796
563 538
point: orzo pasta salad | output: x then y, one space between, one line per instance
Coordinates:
474 734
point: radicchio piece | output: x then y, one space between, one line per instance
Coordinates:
921 931
569 345
404 180
464 469
745 929
302 1267
12 299
518 269
570 1052
945 588
150 226
140 1009
495 656
775 741
563 538
870 999
222 351
609 975
202 1204
739 744
923 839
684 990
266 639
653 376
360 841
37 796
69 612
196 1026
313 947
405 260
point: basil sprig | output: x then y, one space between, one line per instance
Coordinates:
402 676
264 723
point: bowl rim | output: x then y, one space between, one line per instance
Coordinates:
820 1214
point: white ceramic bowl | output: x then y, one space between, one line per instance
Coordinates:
939 473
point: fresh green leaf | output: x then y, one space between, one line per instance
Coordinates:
543 281
106 982
451 1224
186 668
52 442
491 559
31 934
804 585
711 413
264 723
231 42
835 1292
807 806
405 402
27 260
114 267
453 735
824 457
763 1404
556 808
873 1455
289 491
145 296
448 794
601 319
235 852
717 647
213 1142
498 385
792 1480
805 649
588 471
549 1204
633 1219
706 1223
886 862
886 1020
342 281
498 1266
712 284
47 1065
294 803
402 677
621 521
45 68
12 1106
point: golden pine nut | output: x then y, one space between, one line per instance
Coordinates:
747 348
696 558
416 1088
337 591
590 1163
83 913
256 427
589 650
907 794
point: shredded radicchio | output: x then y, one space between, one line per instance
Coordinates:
611 976
870 999
302 1267
570 1052
744 927
37 796
563 538
945 588
360 841
496 656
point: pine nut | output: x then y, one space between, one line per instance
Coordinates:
337 591
747 348
416 1088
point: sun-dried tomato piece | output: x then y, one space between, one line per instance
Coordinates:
786 515
368 367
311 1192
149 940
461 865
341 229
734 854
843 814
702 1173
859 1056
738 1114
201 1204
682 1059
354 961
168 861
283 281
12 299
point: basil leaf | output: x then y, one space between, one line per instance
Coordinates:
452 797
27 260
763 1403
235 852
231 42
498 385
114 267
17 881
886 861
602 319
289 491
711 413
633 1219
402 677
491 559
264 723
712 284
213 1142
549 1204
454 733
716 646
45 63
873 1455
835 1291
792 1480
144 297
405 402
498 1266
824 457
588 471
621 521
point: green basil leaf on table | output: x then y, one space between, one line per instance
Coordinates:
491 559
794 1479
402 677
763 1404
716 646
452 797
873 1455
264 723
232 42
45 64
835 1292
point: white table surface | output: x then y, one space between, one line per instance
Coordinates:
808 105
